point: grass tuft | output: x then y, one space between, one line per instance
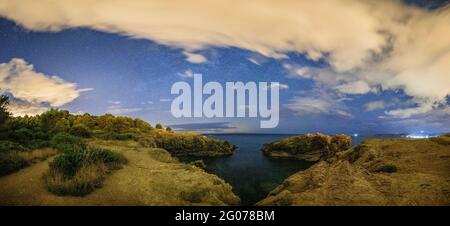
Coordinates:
78 173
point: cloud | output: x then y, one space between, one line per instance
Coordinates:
116 109
204 127
375 105
197 24
318 102
85 90
195 58
165 100
357 87
115 102
186 74
257 59
33 92
21 108
280 86
394 46
254 60
422 108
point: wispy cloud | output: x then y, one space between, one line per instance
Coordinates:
115 102
118 110
186 74
280 86
195 58
318 102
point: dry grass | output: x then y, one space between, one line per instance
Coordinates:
37 155
87 179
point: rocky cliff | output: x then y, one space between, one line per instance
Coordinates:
377 172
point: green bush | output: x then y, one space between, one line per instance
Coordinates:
68 163
9 146
67 143
22 134
79 173
10 162
105 156
80 130
86 180
115 136
38 144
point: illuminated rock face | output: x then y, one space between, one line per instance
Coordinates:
309 147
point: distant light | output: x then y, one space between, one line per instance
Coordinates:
414 136
355 135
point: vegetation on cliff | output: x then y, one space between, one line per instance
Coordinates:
309 147
29 133
89 148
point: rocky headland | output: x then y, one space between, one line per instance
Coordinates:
308 147
376 172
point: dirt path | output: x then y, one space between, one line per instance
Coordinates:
151 177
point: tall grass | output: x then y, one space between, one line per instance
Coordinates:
80 172
13 161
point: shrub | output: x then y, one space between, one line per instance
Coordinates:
80 172
37 155
115 136
147 142
38 144
80 130
388 168
110 158
86 180
444 140
11 162
8 146
68 163
22 134
158 126
66 142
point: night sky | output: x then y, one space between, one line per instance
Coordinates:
115 69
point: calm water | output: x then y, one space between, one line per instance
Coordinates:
252 174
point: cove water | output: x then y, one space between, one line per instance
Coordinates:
250 172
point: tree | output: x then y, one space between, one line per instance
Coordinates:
4 113
158 126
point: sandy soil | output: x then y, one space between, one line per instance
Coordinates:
151 177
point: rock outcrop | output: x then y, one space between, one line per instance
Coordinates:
309 147
377 172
